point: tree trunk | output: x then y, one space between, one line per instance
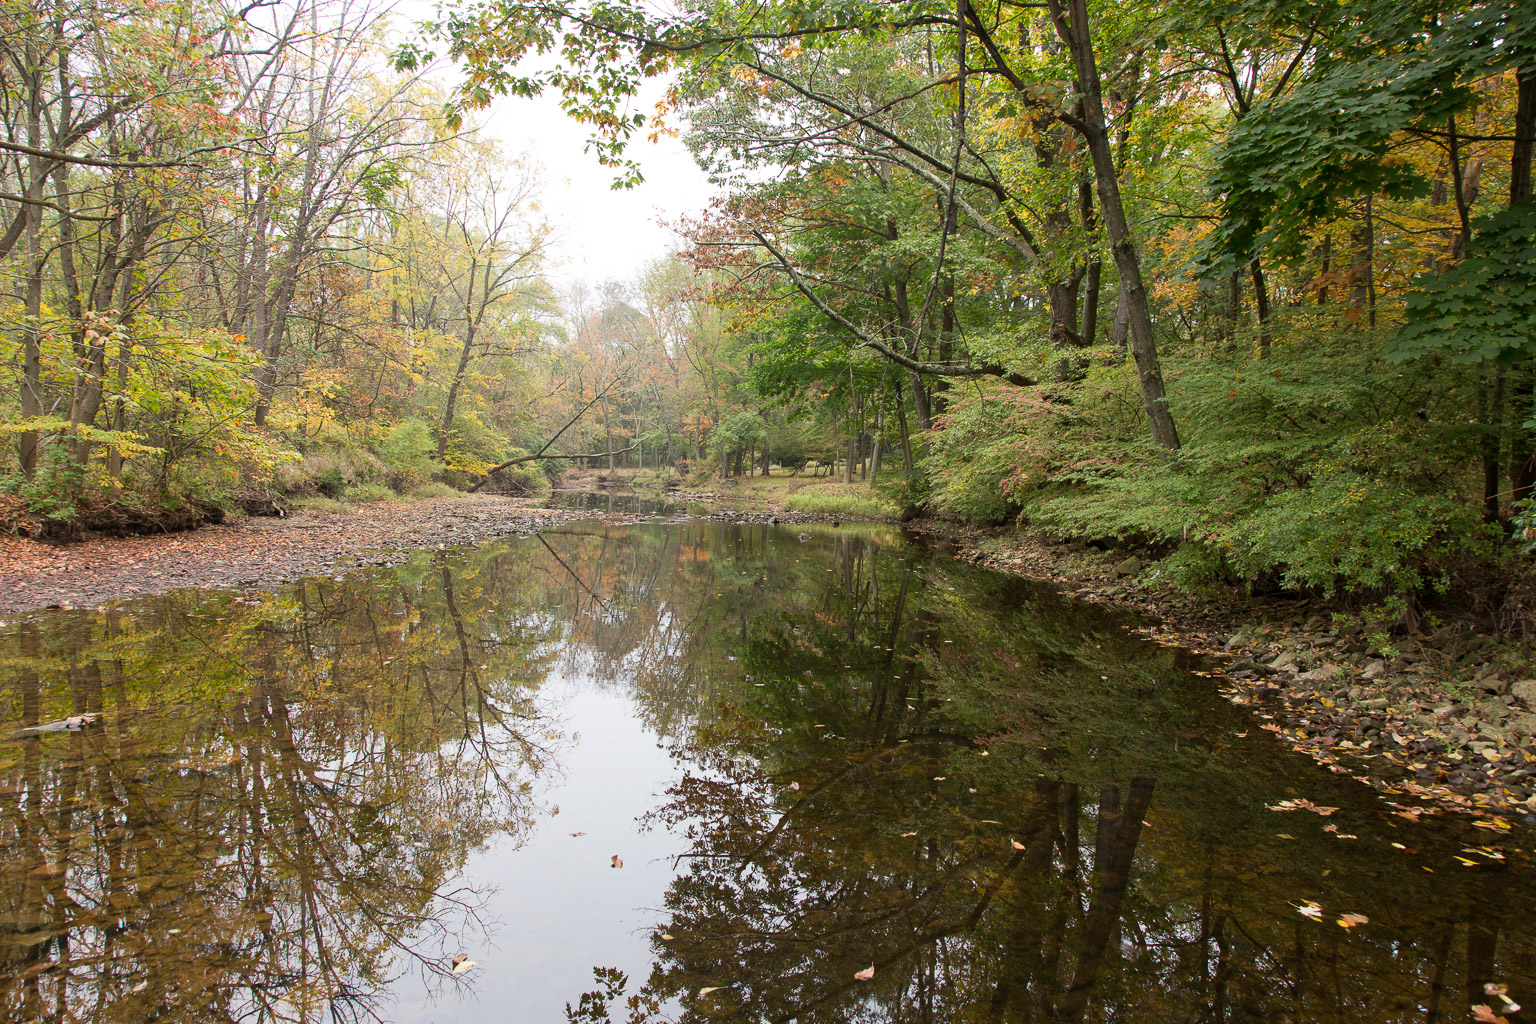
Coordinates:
1075 33
1120 330
1522 461
1493 423
1088 326
1525 132
920 402
1362 271
31 340
1261 304
1061 299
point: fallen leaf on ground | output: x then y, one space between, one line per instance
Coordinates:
866 973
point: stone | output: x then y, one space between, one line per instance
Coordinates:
1525 689
1286 662
1492 731
1130 567
1373 704
1374 669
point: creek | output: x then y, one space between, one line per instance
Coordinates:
722 770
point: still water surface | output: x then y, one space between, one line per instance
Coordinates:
814 751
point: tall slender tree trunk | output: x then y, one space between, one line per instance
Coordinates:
1088 326
32 308
1261 304
1120 330
1075 32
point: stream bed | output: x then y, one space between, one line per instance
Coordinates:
699 771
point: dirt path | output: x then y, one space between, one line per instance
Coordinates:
254 552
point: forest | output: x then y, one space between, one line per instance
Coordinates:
1248 285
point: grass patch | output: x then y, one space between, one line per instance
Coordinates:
319 503
841 500
362 494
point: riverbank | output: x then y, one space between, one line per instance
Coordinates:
259 551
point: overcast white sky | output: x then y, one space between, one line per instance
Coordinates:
603 234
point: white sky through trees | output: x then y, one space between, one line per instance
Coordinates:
602 234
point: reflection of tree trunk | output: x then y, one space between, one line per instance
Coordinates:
1482 945
1119 832
1437 982
1024 958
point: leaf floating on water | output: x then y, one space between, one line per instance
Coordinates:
1300 805
665 937
794 785
711 988
1016 844
1348 921
1483 1013
578 833
1501 993
616 862
1307 908
940 778
462 963
866 973
908 835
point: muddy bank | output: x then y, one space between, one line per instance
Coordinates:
255 552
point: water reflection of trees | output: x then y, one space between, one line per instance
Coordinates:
268 822
870 743
272 815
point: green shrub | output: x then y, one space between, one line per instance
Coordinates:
362 494
1324 468
410 453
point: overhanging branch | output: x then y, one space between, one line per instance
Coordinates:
867 340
